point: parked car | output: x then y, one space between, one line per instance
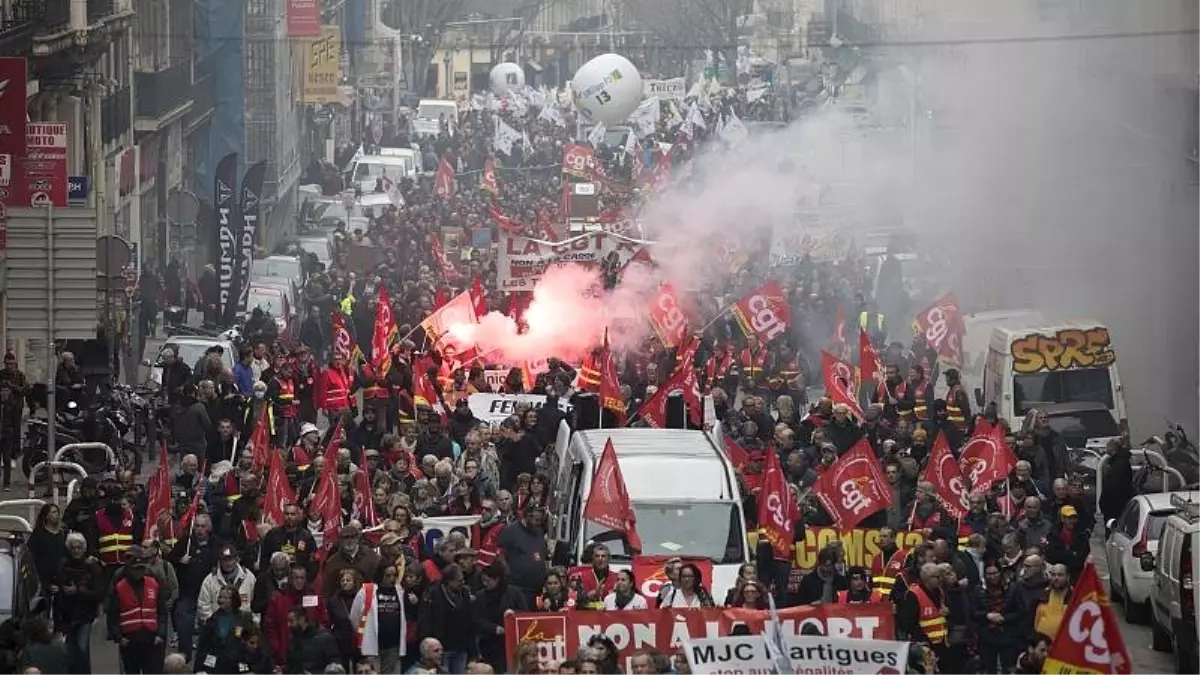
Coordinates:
1134 539
273 301
286 266
1174 613
190 348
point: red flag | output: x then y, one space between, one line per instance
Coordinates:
666 318
158 495
660 176
260 439
327 499
449 271
544 225
440 298
439 326
588 378
478 297
488 182
610 384
943 327
185 522
343 344
517 304
385 333
841 382
943 472
869 366
777 510
683 380
577 161
364 502
764 312
608 500
502 221
1089 636
279 491
443 182
839 327
854 487
424 392
738 456
986 458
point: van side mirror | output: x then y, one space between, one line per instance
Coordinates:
978 397
561 557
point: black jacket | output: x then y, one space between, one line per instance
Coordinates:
812 585
1116 484
311 651
489 610
80 607
445 615
222 654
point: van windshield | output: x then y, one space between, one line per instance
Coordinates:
1084 385
685 530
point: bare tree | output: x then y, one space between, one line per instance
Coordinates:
690 26
422 22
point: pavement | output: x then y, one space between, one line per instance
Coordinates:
1137 638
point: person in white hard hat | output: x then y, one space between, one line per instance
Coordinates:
306 448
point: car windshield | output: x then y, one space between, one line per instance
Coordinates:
330 211
686 530
1083 385
1158 520
365 170
271 303
1076 428
284 269
317 247
191 352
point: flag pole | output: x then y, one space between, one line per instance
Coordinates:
716 318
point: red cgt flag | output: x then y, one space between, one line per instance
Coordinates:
943 472
608 500
260 439
279 491
667 318
327 499
502 221
943 327
443 181
1089 637
985 457
478 298
764 312
158 495
683 380
777 510
870 367
610 385
385 333
854 487
364 502
841 382
738 456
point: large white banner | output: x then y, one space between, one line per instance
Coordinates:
810 655
494 408
523 260
674 89
790 244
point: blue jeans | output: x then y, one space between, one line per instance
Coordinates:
79 649
454 662
184 619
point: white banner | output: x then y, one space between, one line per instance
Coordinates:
747 655
495 408
523 260
789 245
674 89
434 529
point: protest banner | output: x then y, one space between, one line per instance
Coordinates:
524 260
493 408
433 529
860 544
747 654
558 635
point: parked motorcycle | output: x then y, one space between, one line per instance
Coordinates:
106 423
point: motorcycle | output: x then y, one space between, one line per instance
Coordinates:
105 423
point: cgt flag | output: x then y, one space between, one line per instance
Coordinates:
608 502
943 472
764 312
444 184
227 237
986 457
385 333
667 319
1089 639
841 382
854 487
777 510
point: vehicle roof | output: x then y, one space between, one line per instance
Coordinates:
389 160
279 257
267 288
1039 328
1002 314
646 456
1161 501
197 340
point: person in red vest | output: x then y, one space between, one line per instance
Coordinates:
890 393
752 362
920 392
595 582
336 387
860 591
137 616
114 532
281 389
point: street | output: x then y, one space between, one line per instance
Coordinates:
1137 638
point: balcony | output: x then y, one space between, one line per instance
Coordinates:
162 96
114 115
79 28
17 21
203 97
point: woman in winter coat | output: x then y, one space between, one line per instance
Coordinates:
219 649
496 600
340 601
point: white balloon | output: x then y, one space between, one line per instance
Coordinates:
607 89
506 77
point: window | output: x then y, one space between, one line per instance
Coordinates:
1156 523
1129 520
686 530
1085 385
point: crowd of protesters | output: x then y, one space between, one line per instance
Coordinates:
215 586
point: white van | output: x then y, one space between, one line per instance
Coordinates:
979 326
365 170
1173 599
430 112
1068 364
683 489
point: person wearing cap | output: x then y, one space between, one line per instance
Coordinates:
1068 543
136 611
860 591
229 572
307 447
351 554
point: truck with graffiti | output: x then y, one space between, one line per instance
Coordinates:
1067 370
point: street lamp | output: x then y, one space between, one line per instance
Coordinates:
446 59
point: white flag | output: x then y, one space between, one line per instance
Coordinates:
645 118
552 115
696 117
392 188
756 92
674 118
596 135
733 131
505 137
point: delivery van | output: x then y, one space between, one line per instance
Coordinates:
1069 367
1174 613
681 485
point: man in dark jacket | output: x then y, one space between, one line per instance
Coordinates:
194 427
76 594
822 586
1116 485
1068 543
312 648
447 612
523 544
